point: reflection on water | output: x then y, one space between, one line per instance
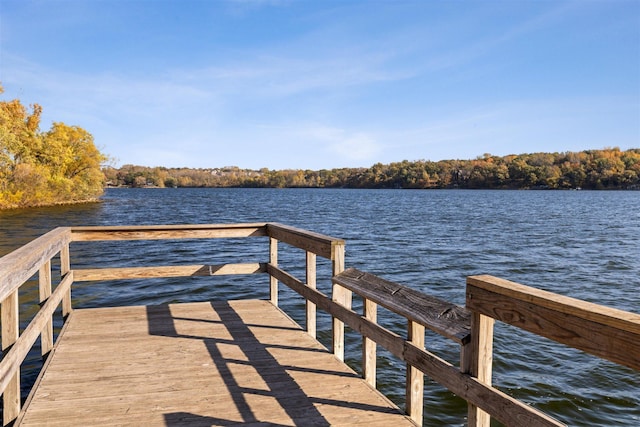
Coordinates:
581 244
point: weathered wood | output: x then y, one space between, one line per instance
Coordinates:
415 377
273 260
477 360
221 363
159 232
44 287
448 320
342 296
502 406
370 312
605 332
10 384
10 364
65 268
608 333
310 307
20 265
375 332
87 275
319 244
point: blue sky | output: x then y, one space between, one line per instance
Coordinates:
327 84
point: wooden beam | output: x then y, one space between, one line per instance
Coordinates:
156 232
502 406
448 320
10 364
307 240
415 377
311 273
273 260
369 353
65 268
20 265
10 386
603 331
477 361
97 274
342 296
44 287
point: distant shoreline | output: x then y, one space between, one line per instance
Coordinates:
605 169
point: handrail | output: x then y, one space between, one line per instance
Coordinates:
608 333
449 320
162 232
603 331
19 266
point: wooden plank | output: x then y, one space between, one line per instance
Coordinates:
155 232
273 260
319 244
249 379
310 308
20 265
65 268
477 360
12 359
503 407
375 332
605 332
10 386
415 377
342 296
369 359
86 275
619 319
44 287
449 320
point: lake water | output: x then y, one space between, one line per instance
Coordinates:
576 243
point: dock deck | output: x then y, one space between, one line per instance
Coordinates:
246 362
208 363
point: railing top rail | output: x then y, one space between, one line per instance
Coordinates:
317 243
159 232
447 319
619 319
18 266
606 332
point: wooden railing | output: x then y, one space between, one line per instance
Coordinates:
18 267
608 333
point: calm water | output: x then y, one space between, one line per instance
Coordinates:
581 244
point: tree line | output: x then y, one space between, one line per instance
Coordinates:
60 165
608 168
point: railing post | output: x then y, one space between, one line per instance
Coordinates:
343 297
415 377
311 282
476 359
65 268
44 285
370 312
273 260
10 332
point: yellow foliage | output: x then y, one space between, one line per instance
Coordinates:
38 168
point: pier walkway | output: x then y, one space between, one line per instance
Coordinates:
199 364
232 363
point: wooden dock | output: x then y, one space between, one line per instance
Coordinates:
246 362
209 363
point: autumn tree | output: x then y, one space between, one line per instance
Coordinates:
38 168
